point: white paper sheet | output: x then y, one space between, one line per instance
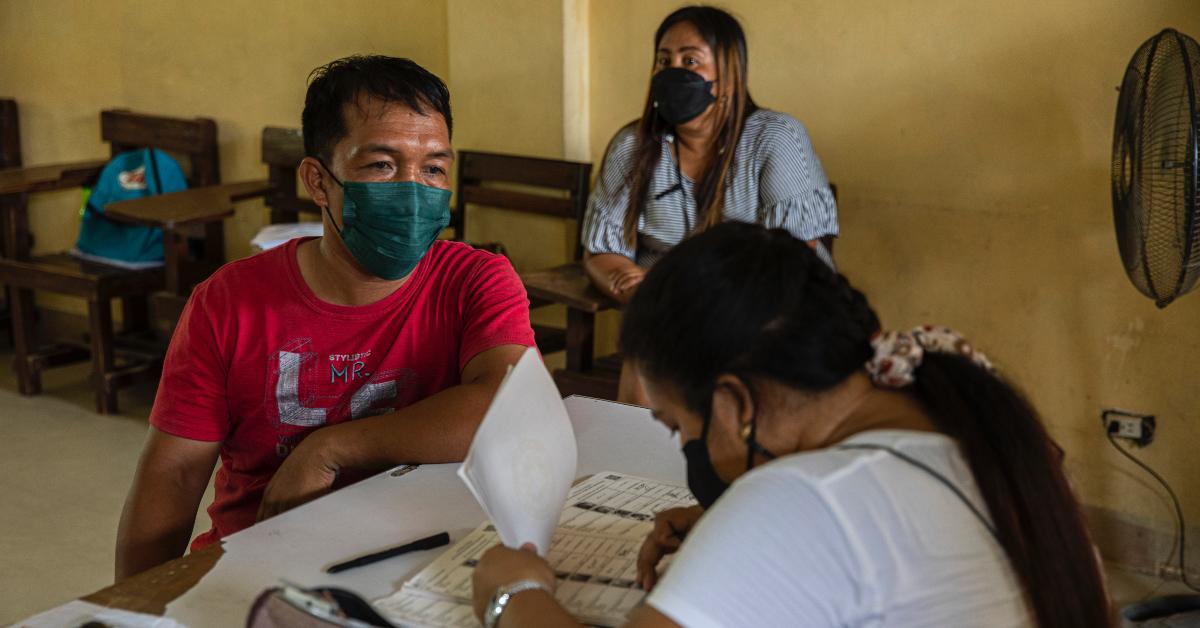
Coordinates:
522 460
272 236
77 613
626 438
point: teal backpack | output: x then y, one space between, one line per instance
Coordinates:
129 175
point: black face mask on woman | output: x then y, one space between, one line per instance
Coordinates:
680 95
702 478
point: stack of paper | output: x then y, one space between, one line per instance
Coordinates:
594 554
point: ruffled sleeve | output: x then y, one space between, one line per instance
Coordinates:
604 221
794 192
808 216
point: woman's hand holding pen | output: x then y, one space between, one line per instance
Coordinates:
671 526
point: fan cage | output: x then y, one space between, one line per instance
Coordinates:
1156 167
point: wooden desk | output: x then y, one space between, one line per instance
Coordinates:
187 207
569 285
151 590
177 211
47 178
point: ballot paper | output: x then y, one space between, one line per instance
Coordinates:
522 459
593 553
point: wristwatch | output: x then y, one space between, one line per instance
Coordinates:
503 596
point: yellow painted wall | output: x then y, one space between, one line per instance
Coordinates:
245 64
970 142
506 85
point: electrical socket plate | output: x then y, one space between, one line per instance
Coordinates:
1132 426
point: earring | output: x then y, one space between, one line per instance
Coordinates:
745 431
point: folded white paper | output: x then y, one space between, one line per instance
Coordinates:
522 461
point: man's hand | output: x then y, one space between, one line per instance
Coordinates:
306 474
500 566
670 528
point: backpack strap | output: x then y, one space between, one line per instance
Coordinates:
153 168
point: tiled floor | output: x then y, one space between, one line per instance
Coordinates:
64 472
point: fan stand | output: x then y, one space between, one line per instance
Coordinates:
1168 611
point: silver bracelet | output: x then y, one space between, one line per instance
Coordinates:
503 596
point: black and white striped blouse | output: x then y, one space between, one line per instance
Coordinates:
777 181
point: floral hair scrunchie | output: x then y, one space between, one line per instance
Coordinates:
898 354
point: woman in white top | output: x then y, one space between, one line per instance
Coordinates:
882 479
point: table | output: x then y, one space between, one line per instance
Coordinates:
151 590
384 510
175 213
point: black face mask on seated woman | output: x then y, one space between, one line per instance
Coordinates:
680 95
702 478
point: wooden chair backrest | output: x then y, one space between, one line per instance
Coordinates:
195 138
476 170
282 151
10 136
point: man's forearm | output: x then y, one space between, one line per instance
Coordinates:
156 525
143 543
160 510
436 429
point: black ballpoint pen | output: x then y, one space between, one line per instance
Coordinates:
429 542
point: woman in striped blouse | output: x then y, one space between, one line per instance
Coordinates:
703 152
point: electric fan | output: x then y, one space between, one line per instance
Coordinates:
1156 167
1156 208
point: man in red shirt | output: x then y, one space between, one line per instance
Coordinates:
371 346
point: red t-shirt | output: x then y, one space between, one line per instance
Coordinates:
258 361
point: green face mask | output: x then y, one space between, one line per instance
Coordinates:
388 227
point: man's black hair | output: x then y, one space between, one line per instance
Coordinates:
332 86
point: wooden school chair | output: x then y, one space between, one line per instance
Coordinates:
207 207
10 157
99 284
541 186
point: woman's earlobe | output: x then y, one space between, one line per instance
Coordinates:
735 396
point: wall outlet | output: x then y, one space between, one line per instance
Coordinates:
1132 426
